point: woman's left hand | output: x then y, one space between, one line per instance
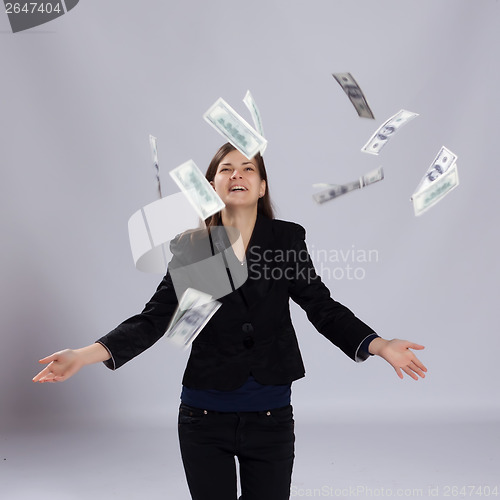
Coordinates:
397 353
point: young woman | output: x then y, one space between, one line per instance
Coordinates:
235 399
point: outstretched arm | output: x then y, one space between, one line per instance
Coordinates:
397 353
64 364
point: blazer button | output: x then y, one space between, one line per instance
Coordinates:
248 342
247 328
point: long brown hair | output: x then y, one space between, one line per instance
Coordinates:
264 205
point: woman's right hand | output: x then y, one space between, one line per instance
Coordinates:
61 366
64 364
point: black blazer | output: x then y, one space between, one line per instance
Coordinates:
252 332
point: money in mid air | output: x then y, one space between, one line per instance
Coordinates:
384 133
193 312
355 94
441 178
257 119
336 190
235 129
197 189
154 153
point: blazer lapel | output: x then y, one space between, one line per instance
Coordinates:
261 240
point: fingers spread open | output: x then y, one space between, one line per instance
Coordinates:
48 359
41 374
409 372
416 346
418 368
419 363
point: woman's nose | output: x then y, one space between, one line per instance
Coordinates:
235 174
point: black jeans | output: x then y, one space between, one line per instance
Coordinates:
262 441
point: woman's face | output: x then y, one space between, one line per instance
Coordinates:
237 181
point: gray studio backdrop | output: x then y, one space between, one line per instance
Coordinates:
80 96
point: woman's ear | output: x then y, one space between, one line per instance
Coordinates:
212 184
262 191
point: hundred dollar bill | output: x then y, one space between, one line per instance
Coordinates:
441 178
257 119
189 299
154 153
193 312
197 189
336 190
384 133
443 161
355 94
234 128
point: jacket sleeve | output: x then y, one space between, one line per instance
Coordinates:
332 319
141 331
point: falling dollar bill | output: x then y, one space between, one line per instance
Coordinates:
384 133
443 161
154 153
336 190
234 128
257 119
197 189
192 314
441 178
355 94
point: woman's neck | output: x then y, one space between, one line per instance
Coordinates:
243 221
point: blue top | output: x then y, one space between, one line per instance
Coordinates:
251 396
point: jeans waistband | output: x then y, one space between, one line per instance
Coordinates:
191 410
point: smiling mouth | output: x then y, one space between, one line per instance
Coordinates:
237 188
